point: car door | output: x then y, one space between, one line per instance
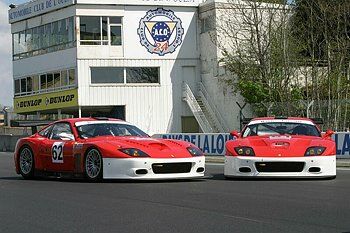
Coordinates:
59 148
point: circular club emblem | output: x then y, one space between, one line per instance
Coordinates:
160 31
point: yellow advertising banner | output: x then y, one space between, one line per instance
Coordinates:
55 100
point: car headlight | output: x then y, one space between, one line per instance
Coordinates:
134 152
315 150
245 151
194 151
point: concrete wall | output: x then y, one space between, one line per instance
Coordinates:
8 142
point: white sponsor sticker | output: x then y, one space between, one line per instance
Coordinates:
57 152
280 137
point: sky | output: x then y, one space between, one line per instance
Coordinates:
6 83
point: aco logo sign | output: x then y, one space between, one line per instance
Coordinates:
40 102
160 31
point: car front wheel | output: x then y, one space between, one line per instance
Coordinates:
93 165
26 163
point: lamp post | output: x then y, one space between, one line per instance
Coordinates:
5 109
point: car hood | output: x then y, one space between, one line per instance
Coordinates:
283 145
154 147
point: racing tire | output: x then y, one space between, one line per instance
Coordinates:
26 162
93 165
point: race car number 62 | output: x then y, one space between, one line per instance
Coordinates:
57 152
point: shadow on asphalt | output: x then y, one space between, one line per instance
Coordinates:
11 178
220 176
82 180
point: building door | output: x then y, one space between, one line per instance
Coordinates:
189 124
118 112
105 111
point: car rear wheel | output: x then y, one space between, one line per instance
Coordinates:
26 163
93 165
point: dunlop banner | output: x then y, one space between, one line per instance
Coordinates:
56 100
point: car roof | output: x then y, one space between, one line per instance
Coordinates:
75 120
282 119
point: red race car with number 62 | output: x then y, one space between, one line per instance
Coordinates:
105 148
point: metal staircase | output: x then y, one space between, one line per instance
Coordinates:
188 96
214 115
205 112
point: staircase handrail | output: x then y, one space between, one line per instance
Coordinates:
196 109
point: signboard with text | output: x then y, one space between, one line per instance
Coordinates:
55 100
30 9
144 2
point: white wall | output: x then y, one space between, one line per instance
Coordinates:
42 63
155 108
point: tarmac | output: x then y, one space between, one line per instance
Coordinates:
221 159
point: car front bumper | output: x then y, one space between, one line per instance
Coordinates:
153 168
313 166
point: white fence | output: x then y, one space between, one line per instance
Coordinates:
214 144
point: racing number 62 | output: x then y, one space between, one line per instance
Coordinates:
57 152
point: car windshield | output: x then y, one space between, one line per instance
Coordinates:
91 130
281 128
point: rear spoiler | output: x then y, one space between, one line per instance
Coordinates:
30 123
317 121
246 121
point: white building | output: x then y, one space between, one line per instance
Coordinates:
147 61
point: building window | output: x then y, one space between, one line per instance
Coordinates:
57 79
124 75
107 75
51 81
29 84
94 30
23 85
17 86
35 83
208 24
90 30
142 75
64 78
43 82
116 35
46 38
71 76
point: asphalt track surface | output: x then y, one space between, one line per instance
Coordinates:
209 205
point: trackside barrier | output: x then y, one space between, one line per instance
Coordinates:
211 144
214 144
8 142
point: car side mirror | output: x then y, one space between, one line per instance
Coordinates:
66 136
328 133
234 133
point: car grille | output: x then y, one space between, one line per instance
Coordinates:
166 168
279 166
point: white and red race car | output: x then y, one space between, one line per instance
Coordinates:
281 147
105 148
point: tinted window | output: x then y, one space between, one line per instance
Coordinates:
46 131
60 128
116 35
281 128
107 75
90 28
142 75
109 129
